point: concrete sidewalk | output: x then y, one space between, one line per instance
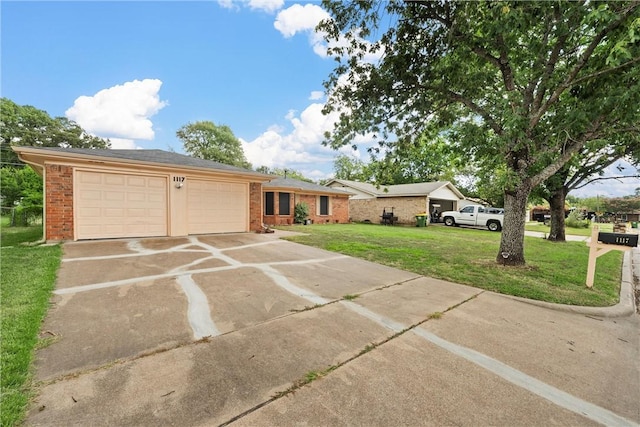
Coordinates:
295 335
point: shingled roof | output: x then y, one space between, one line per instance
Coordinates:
302 187
400 190
144 156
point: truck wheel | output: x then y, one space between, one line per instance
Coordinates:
493 226
448 221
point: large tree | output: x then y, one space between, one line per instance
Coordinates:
528 83
206 140
586 167
20 185
403 163
29 126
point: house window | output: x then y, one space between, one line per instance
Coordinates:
268 203
284 204
324 205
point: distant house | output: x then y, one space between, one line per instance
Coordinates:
326 205
405 200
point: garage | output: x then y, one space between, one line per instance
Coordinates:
110 205
216 207
113 193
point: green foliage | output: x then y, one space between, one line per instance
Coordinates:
285 173
576 220
349 168
424 160
26 216
29 126
20 185
523 85
403 163
206 140
622 205
300 212
25 294
12 236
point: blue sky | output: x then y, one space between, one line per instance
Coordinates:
135 72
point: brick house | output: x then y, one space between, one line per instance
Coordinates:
405 200
326 205
97 194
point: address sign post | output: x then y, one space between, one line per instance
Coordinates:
601 243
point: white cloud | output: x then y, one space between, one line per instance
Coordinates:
612 187
301 148
227 4
304 19
123 144
299 19
302 145
121 111
268 6
316 95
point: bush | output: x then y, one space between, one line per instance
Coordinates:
300 212
25 216
576 220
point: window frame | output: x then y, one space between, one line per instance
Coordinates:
269 207
284 197
328 207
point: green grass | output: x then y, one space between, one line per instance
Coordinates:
555 272
27 277
12 236
538 226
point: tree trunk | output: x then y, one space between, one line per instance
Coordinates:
556 203
512 242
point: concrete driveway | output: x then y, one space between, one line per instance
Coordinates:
247 329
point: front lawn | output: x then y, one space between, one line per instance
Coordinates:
27 277
538 226
555 272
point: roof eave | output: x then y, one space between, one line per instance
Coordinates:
40 156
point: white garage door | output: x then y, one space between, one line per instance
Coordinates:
109 205
217 207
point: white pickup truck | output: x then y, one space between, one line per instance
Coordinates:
475 215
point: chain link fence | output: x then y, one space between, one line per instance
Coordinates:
21 216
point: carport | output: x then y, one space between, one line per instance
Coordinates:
97 194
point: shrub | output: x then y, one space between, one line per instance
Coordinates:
300 212
26 216
576 220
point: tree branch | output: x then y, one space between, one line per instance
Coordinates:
603 178
582 61
476 109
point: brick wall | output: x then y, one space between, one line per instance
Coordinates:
255 206
58 203
405 208
338 207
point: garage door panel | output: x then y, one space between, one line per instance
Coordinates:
114 179
113 212
112 196
217 207
112 205
158 183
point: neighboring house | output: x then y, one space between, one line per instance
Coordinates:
101 193
406 200
632 216
326 205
